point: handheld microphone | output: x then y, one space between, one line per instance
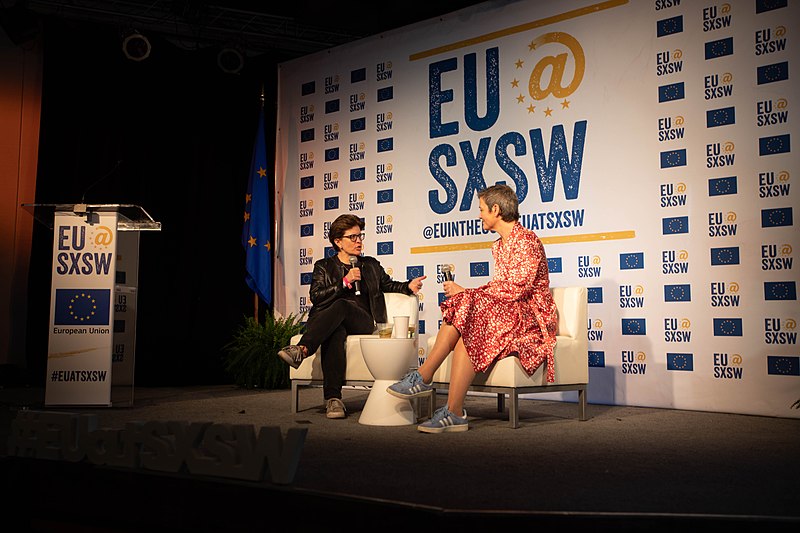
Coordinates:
356 283
447 272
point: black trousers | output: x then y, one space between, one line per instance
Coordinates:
329 329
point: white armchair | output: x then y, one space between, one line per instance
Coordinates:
309 373
571 360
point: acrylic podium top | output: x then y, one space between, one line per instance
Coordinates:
131 217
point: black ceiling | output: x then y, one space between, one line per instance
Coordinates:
284 29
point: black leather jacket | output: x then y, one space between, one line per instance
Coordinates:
326 285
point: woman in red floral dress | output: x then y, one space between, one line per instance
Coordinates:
513 314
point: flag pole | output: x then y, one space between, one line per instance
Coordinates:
255 294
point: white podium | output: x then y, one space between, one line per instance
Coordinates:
388 360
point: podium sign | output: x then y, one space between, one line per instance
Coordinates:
82 309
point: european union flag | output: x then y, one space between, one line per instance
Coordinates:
669 26
478 269
386 196
307 135
673 158
780 290
332 154
358 124
597 359
386 248
594 295
772 73
773 218
674 225
728 255
386 145
678 293
307 182
673 91
633 261
719 48
724 116
307 230
257 230
554 265
385 93
305 278
331 106
769 5
82 307
680 361
727 327
722 186
332 202
329 251
358 174
415 271
307 88
777 144
442 298
358 75
634 326
421 328
783 365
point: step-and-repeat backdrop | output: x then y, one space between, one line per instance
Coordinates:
648 141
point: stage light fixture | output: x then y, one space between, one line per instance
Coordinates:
230 60
136 46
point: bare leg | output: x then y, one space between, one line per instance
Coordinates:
446 340
461 376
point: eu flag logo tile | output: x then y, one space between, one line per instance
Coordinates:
772 73
329 251
415 271
669 26
634 326
386 196
331 106
773 218
358 124
386 248
720 117
305 278
307 182
307 135
671 92
783 365
385 93
719 48
332 154
633 261
777 144
673 158
332 202
479 269
597 359
358 174
307 230
674 225
554 265
769 5
308 88
678 293
358 75
386 145
421 328
82 307
727 327
728 255
780 290
722 186
680 361
594 295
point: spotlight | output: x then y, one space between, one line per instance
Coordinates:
230 60
136 47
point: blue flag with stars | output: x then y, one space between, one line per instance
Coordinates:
256 234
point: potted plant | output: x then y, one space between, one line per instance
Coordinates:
251 358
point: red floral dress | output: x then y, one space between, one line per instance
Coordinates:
513 313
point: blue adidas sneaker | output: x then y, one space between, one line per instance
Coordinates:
410 386
443 421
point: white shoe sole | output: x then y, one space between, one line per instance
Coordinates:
444 429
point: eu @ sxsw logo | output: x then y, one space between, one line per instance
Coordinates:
776 256
383 224
330 132
669 62
330 181
306 208
772 112
332 84
770 40
677 330
306 114
634 363
589 268
717 86
716 17
357 151
780 331
724 294
727 366
306 257
674 262
772 186
673 195
720 155
383 71
383 172
383 121
306 160
630 296
82 253
595 331
670 128
722 224
356 201
358 101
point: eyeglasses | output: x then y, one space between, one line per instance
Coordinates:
355 237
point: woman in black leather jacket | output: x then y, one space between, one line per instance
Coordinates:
347 293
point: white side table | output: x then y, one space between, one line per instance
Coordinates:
388 360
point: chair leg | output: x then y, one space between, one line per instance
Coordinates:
582 404
295 397
501 402
513 409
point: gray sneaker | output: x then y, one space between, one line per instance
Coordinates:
444 421
293 355
410 386
334 408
